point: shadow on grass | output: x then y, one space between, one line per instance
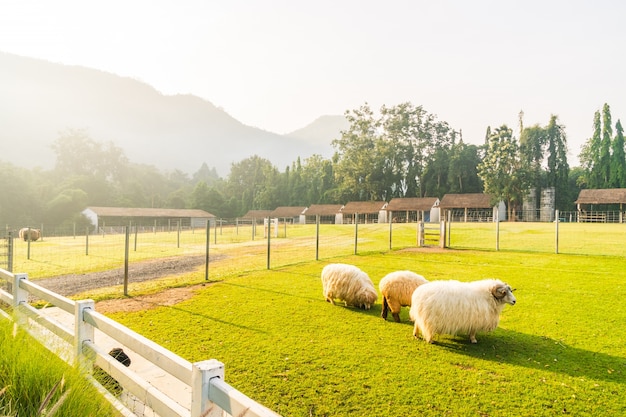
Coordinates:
541 353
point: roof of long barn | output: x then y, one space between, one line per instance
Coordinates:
470 200
412 203
324 209
602 196
364 207
149 212
287 211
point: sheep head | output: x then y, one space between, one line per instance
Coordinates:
503 293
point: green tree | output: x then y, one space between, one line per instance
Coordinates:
462 173
618 159
246 181
502 172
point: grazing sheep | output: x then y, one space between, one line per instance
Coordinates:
27 234
453 307
397 288
350 284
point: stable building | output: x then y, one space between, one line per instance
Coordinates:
413 209
601 205
155 218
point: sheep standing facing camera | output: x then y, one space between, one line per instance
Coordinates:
349 284
453 307
397 289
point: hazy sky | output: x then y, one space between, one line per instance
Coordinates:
280 64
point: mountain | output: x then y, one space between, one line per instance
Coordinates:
40 99
323 127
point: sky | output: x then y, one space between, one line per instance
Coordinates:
280 64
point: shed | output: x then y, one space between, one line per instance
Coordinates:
328 213
414 209
365 211
595 205
472 207
256 216
289 214
147 217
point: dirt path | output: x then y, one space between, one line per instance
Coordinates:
68 285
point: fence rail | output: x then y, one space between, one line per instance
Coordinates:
80 335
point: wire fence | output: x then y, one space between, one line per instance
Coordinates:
275 244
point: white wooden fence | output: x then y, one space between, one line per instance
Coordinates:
163 382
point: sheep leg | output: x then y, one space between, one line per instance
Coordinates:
473 337
396 317
383 314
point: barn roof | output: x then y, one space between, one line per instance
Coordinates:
471 200
287 211
363 207
257 214
412 204
149 212
602 196
324 209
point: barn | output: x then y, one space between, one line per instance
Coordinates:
601 205
149 218
327 213
471 207
288 214
365 212
412 209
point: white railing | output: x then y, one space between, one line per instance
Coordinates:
162 382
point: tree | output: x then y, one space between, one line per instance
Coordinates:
502 172
247 180
462 173
617 177
557 166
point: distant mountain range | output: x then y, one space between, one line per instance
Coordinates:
40 99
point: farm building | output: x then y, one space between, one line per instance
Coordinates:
365 212
101 217
256 216
471 207
289 214
601 205
328 213
404 210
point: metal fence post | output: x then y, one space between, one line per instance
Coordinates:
556 233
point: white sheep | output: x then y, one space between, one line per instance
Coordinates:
396 289
348 283
453 307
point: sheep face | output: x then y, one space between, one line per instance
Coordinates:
503 294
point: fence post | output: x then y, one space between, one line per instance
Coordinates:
356 232
87 240
201 375
10 252
420 233
556 233
83 332
497 217
206 260
126 262
269 233
390 233
19 295
317 237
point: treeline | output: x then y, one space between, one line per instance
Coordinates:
400 151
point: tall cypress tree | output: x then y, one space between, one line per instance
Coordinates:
618 158
605 148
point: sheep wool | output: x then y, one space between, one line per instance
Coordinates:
453 307
349 284
397 289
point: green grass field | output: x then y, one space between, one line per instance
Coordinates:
559 351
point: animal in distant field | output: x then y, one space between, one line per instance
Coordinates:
453 307
348 284
29 234
397 289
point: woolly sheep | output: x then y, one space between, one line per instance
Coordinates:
29 234
453 307
396 289
349 284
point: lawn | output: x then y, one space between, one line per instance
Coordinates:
559 350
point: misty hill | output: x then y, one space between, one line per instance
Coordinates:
40 99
